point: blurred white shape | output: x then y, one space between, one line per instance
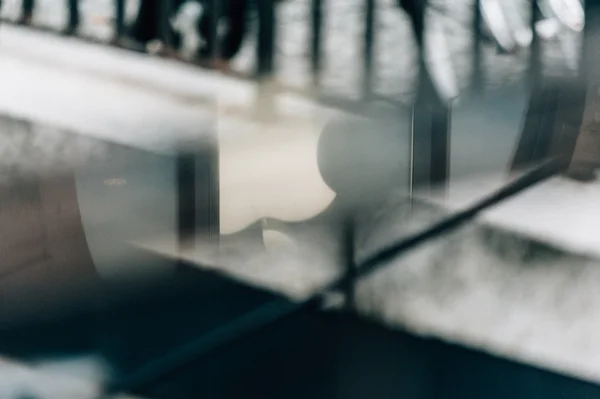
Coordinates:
495 20
518 23
569 12
92 369
21 381
548 29
278 242
523 37
132 9
185 22
439 62
51 13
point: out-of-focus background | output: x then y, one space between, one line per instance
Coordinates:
369 198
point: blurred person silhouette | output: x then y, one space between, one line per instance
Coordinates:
220 52
147 26
28 8
73 22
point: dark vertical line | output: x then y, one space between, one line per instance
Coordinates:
186 198
198 194
541 111
368 48
27 8
431 116
431 155
411 156
266 38
119 19
421 143
208 194
316 40
535 66
215 196
214 11
73 22
570 105
440 146
538 129
348 251
164 23
583 56
265 57
583 96
477 68
590 57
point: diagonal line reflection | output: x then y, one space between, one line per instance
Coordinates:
276 310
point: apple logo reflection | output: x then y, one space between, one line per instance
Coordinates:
362 160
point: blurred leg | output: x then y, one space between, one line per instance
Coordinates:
150 23
204 29
235 11
73 22
236 14
145 27
119 19
166 33
27 11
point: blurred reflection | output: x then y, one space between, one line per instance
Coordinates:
63 228
485 132
45 257
77 297
74 285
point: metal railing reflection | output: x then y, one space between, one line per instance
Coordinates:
429 128
431 104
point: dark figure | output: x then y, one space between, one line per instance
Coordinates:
221 52
27 8
145 26
73 22
150 23
119 21
416 12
